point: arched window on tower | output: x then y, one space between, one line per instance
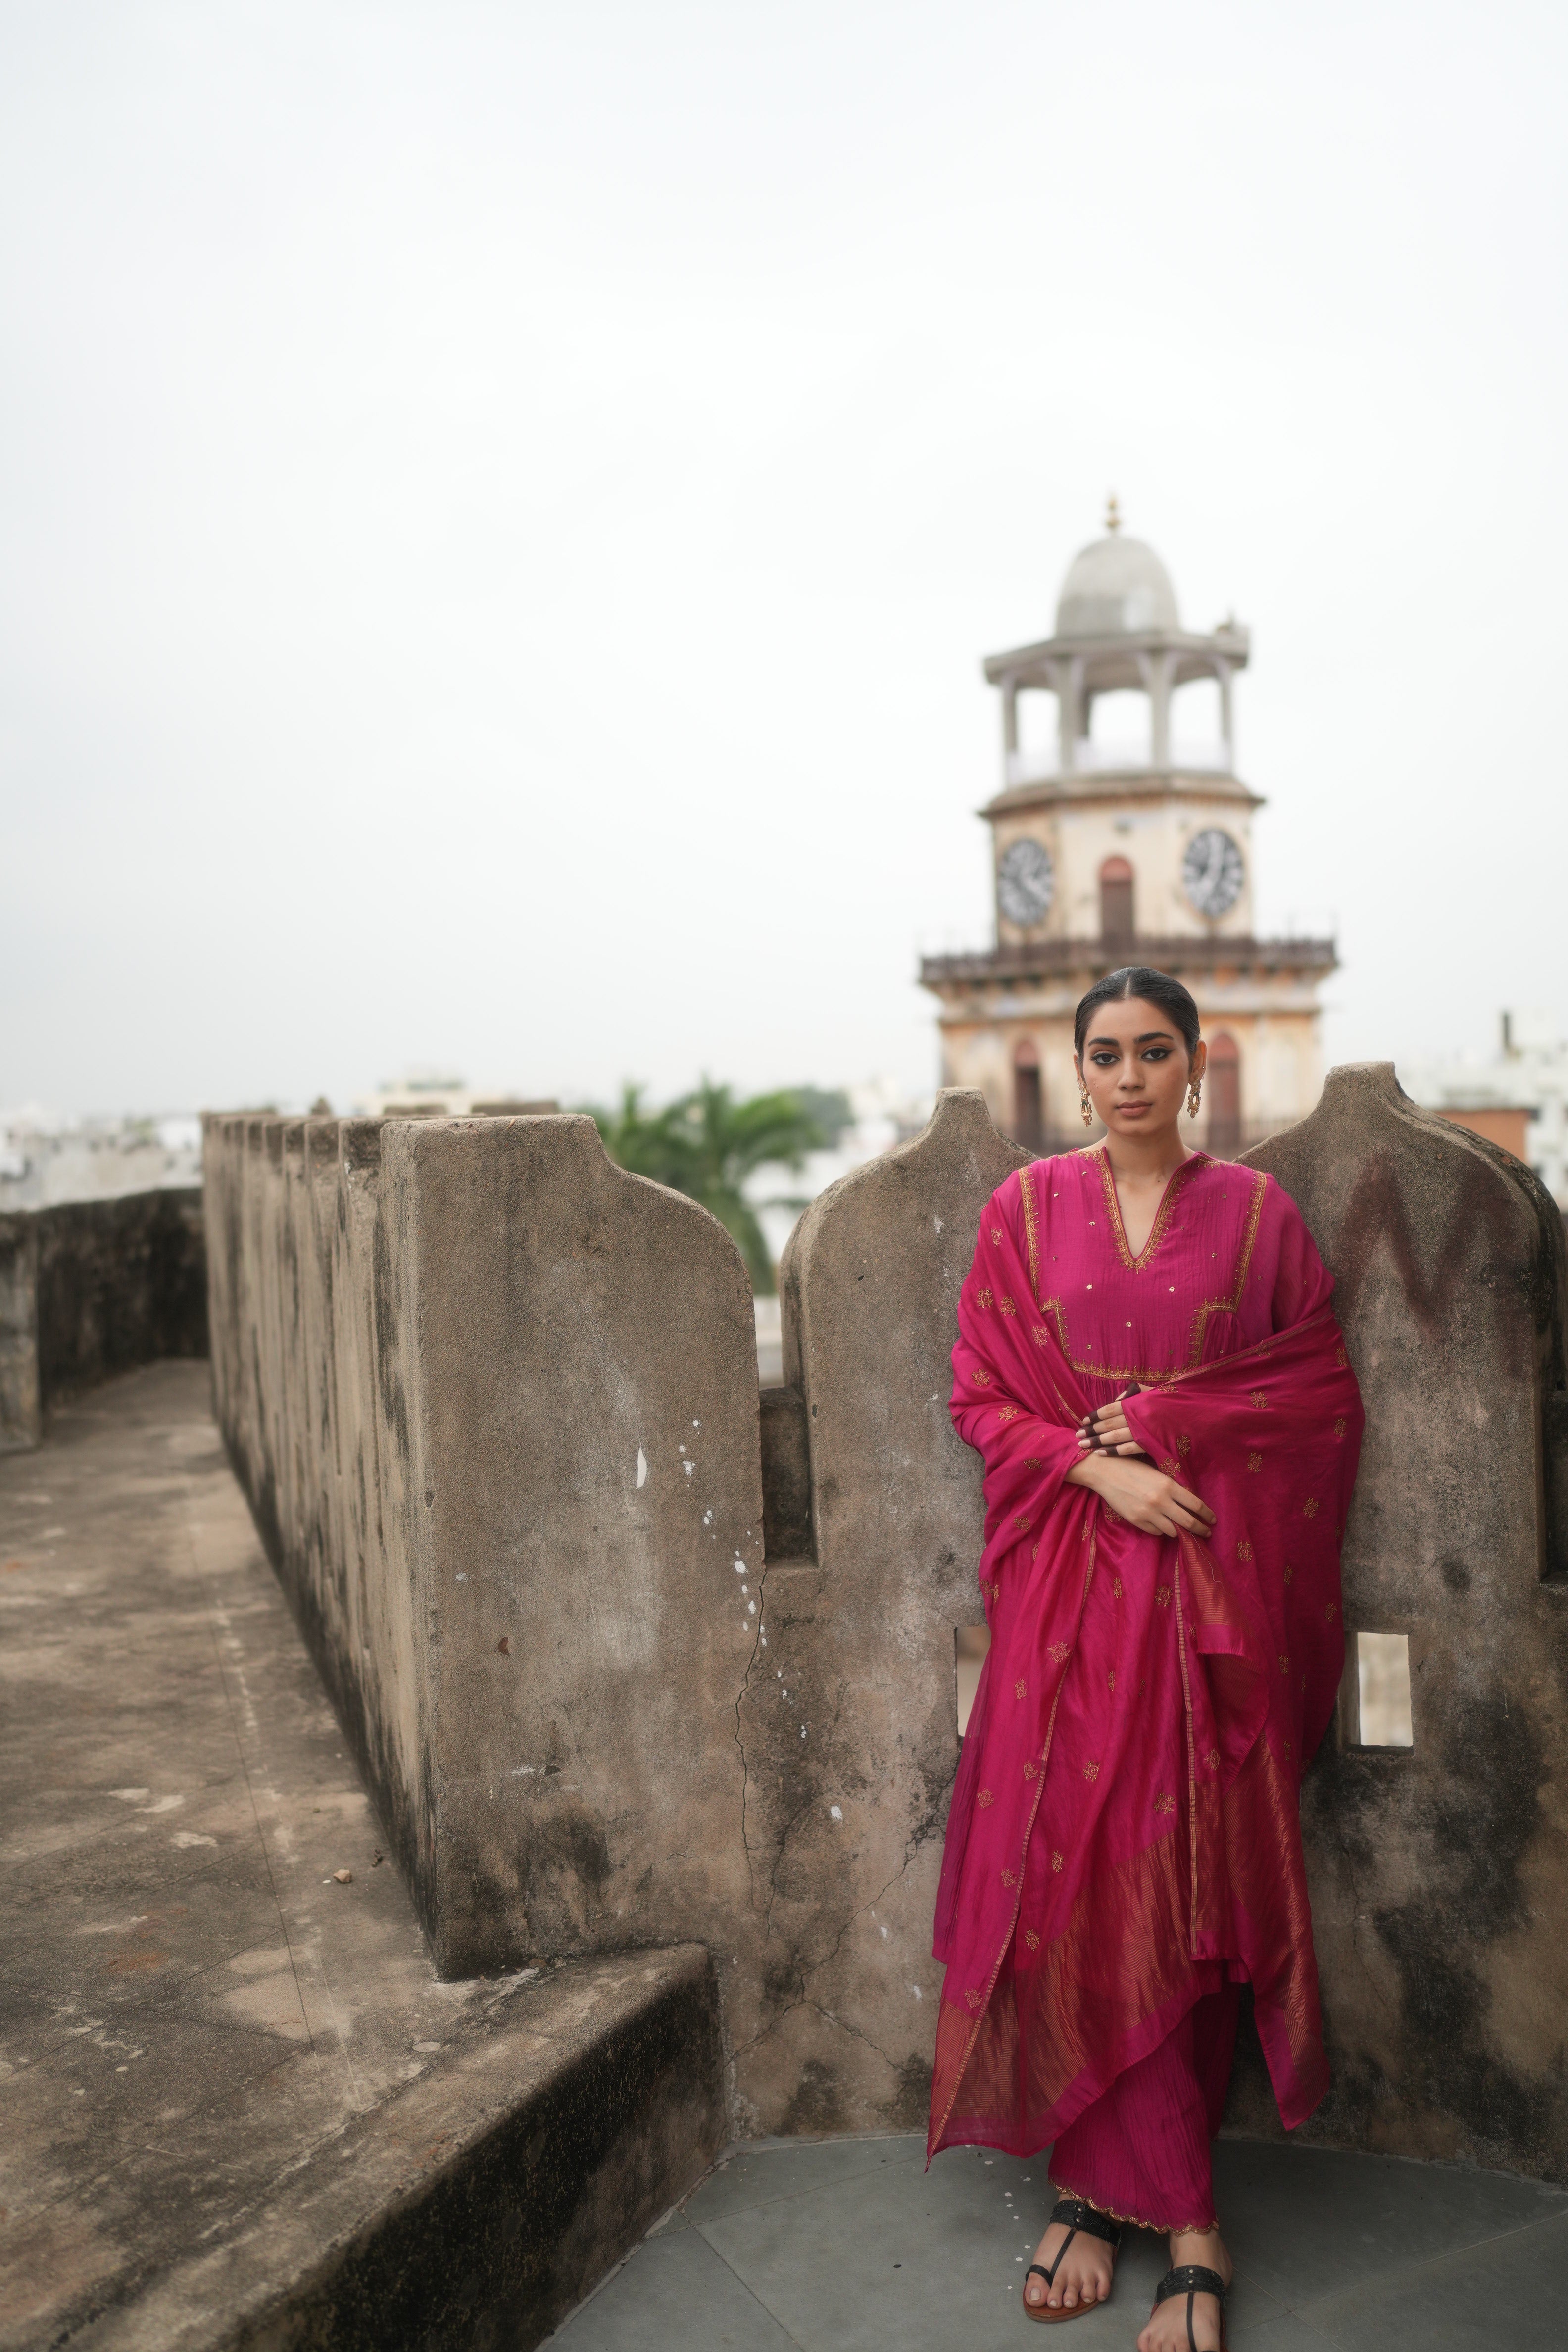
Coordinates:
1115 925
1028 1116
1222 1083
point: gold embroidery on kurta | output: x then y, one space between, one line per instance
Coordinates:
1161 1214
1164 1802
1056 1860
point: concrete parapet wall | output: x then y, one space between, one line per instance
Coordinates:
1439 1873
90 1289
631 1655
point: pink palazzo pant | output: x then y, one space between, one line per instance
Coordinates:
1140 2151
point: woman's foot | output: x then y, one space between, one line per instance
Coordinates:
1167 2329
1083 2276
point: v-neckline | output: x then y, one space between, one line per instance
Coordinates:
1136 1262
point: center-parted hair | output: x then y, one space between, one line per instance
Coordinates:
1155 987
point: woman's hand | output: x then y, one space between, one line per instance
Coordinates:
1142 1496
1110 1428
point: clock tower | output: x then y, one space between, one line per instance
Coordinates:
1116 846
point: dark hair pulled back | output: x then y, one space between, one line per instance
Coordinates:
1154 987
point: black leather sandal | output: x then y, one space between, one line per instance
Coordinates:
1079 2215
1191 2280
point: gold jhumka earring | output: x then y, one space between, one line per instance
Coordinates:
1088 1106
1195 1097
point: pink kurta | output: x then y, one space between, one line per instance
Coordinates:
1124 1836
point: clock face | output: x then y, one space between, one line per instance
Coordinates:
1212 871
1026 883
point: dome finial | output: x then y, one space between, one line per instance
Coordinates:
1112 513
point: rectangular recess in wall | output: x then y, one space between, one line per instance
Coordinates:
1380 1666
969 1644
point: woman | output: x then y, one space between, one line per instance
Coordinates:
1149 1363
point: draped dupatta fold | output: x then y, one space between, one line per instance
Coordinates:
1124 1833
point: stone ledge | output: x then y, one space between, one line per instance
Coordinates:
479 2205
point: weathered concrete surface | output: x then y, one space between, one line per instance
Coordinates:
494 1401
90 1289
1439 1873
849 1720
237 2103
21 1398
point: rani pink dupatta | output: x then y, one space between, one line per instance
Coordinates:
1124 1833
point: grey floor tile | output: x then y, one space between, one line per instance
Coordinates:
1288 2333
895 2257
1511 2292
1303 2222
675 2294
761 2170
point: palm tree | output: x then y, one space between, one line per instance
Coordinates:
707 1144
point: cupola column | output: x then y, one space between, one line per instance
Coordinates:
1222 670
1009 719
1157 669
1067 677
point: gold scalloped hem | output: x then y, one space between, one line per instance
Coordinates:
1137 2221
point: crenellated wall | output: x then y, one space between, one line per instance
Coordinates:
494 1403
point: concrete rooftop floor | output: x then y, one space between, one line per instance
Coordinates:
190 2003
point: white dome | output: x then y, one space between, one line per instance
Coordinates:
1117 587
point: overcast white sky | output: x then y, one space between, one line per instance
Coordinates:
503 506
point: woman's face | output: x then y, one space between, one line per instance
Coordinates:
1135 1066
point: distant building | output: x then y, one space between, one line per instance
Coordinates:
430 1094
1111 852
1519 1100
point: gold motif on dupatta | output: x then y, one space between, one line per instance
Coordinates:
1287 1571
1310 1508
1163 1595
1029 1768
1164 1802
1020 1689
1255 1461
1007 1306
980 1377
1092 1771
1011 1411
1332 1611
997 1235
1116 1588
1060 1652
1032 1941
1244 1551
1340 1425
985 1797
1258 1398
1021 1520
1110 1679
1212 1760
985 1297
1284 1666
1009 1878
1057 1860
1341 1359
1171 1466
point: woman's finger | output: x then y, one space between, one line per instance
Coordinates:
1190 1502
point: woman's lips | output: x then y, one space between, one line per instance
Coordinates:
1132 1110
